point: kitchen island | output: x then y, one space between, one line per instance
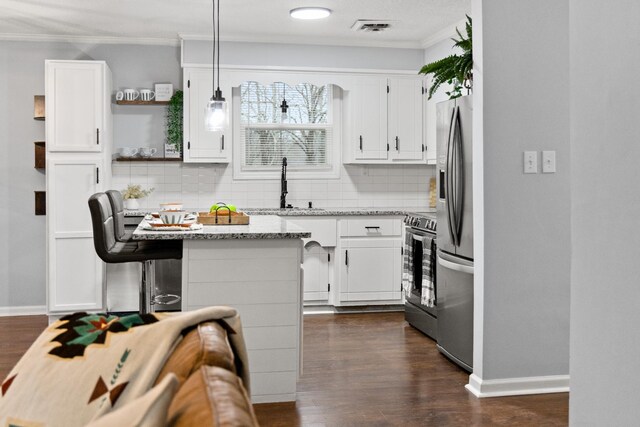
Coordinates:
256 269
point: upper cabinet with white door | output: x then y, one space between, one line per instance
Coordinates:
201 145
75 105
405 119
384 120
367 118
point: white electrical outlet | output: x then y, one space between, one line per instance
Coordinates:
548 162
530 162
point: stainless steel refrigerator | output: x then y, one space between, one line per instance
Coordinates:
455 230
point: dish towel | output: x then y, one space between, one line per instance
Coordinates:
407 264
428 295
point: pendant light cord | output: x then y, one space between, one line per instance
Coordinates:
218 39
213 50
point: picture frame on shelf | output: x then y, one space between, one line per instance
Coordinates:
164 91
171 152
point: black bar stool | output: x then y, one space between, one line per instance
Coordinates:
117 208
113 251
154 298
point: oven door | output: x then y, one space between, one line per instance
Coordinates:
415 268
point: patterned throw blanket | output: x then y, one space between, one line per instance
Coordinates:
86 365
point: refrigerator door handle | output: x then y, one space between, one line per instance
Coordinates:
458 177
468 269
447 181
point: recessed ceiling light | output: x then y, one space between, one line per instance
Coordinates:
310 12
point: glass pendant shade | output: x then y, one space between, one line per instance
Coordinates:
216 115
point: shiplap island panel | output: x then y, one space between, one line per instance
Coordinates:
256 269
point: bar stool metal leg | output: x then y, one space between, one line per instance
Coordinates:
146 285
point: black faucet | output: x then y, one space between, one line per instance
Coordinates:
283 184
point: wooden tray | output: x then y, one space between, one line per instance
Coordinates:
157 225
223 217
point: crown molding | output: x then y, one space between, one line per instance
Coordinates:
443 34
89 39
316 41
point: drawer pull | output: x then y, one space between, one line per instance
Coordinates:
372 227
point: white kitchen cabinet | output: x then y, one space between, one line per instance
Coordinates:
429 125
79 146
317 256
76 94
371 270
200 144
367 118
384 120
405 118
75 274
317 274
368 260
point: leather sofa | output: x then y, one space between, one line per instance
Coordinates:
210 391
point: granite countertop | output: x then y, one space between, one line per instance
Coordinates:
260 227
304 211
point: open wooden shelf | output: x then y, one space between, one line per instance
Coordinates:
40 202
40 155
38 107
148 159
142 102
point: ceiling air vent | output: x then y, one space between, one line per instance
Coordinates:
370 25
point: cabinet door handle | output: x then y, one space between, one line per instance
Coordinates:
346 257
360 142
188 145
97 136
222 142
423 148
397 143
97 175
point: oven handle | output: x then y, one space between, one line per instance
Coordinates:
468 269
416 232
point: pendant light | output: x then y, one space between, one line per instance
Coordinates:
284 106
216 113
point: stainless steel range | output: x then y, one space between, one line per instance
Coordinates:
419 272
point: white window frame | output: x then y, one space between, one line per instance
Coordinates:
331 171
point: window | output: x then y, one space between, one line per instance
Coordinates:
304 134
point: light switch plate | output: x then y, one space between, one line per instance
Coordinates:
530 162
548 162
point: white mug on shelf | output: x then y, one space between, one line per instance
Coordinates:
131 94
128 152
119 95
147 95
147 151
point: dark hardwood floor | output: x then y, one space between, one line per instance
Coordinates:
16 335
363 369
376 370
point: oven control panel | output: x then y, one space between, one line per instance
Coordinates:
421 221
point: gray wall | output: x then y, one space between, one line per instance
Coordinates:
22 247
296 55
523 61
605 207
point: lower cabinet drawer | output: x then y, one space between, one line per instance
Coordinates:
370 227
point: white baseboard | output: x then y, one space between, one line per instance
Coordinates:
517 386
23 310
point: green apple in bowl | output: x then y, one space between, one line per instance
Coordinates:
222 207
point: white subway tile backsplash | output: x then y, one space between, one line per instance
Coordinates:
199 186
